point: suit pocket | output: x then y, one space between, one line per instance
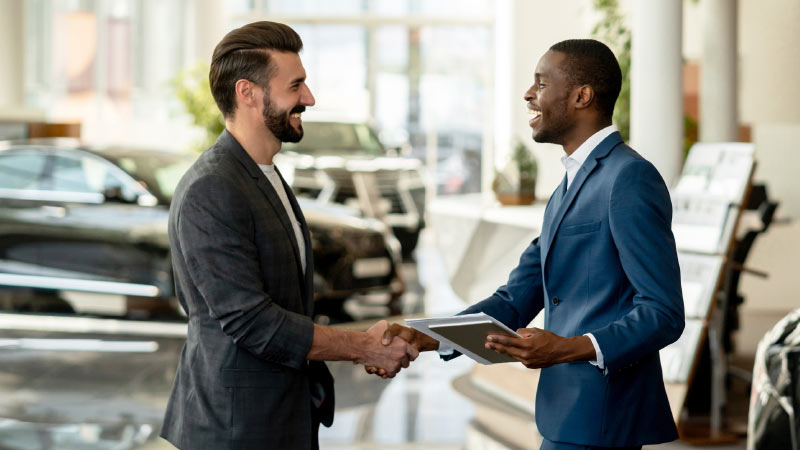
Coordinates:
268 409
572 230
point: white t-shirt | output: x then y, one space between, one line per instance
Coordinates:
275 179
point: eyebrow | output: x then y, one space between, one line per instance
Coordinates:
298 80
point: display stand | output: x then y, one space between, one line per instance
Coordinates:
708 202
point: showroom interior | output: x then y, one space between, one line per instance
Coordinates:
433 194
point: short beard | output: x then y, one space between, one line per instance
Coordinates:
277 122
554 134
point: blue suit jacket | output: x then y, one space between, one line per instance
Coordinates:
605 263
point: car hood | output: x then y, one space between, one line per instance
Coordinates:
329 215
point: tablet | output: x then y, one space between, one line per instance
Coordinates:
472 336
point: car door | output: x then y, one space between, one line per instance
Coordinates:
21 212
99 239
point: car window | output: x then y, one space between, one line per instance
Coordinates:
21 170
337 139
69 175
158 172
85 174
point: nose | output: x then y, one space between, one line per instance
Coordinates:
307 98
530 93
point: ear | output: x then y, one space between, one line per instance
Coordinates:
585 96
246 93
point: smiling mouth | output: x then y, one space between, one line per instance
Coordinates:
534 114
295 115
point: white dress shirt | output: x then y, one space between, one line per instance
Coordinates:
275 180
574 161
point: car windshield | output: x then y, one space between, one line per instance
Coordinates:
160 172
333 138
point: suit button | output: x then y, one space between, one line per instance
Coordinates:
556 301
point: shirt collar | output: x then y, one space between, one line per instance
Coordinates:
584 150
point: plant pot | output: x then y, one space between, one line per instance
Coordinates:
514 199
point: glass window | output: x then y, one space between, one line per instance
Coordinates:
21 170
68 175
335 60
454 8
315 7
108 64
86 174
159 173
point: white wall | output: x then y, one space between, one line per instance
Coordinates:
769 61
535 26
769 70
11 54
769 89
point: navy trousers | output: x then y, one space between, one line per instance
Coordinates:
550 445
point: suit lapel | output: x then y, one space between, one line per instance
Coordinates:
228 141
551 226
550 212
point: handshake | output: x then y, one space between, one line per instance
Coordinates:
397 346
390 349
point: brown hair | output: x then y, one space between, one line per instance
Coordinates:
244 53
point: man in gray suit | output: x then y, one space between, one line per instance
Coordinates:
251 373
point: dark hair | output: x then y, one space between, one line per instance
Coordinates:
244 54
591 62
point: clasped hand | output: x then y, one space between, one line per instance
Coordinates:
388 356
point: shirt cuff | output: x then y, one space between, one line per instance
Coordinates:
599 354
444 349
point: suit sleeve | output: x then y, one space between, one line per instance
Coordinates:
215 231
518 301
640 218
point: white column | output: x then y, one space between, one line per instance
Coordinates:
718 72
657 84
12 54
504 93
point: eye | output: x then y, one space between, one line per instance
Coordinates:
541 85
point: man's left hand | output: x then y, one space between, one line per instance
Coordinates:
539 348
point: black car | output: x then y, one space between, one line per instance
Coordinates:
346 163
77 218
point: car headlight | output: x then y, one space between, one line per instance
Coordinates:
372 267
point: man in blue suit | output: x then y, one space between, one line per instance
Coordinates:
604 269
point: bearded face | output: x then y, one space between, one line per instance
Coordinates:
278 122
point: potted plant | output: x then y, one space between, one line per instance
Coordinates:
516 183
192 89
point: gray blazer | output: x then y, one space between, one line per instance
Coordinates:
243 380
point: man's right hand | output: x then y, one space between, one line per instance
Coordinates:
386 357
419 341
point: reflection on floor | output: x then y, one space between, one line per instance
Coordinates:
418 406
96 394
